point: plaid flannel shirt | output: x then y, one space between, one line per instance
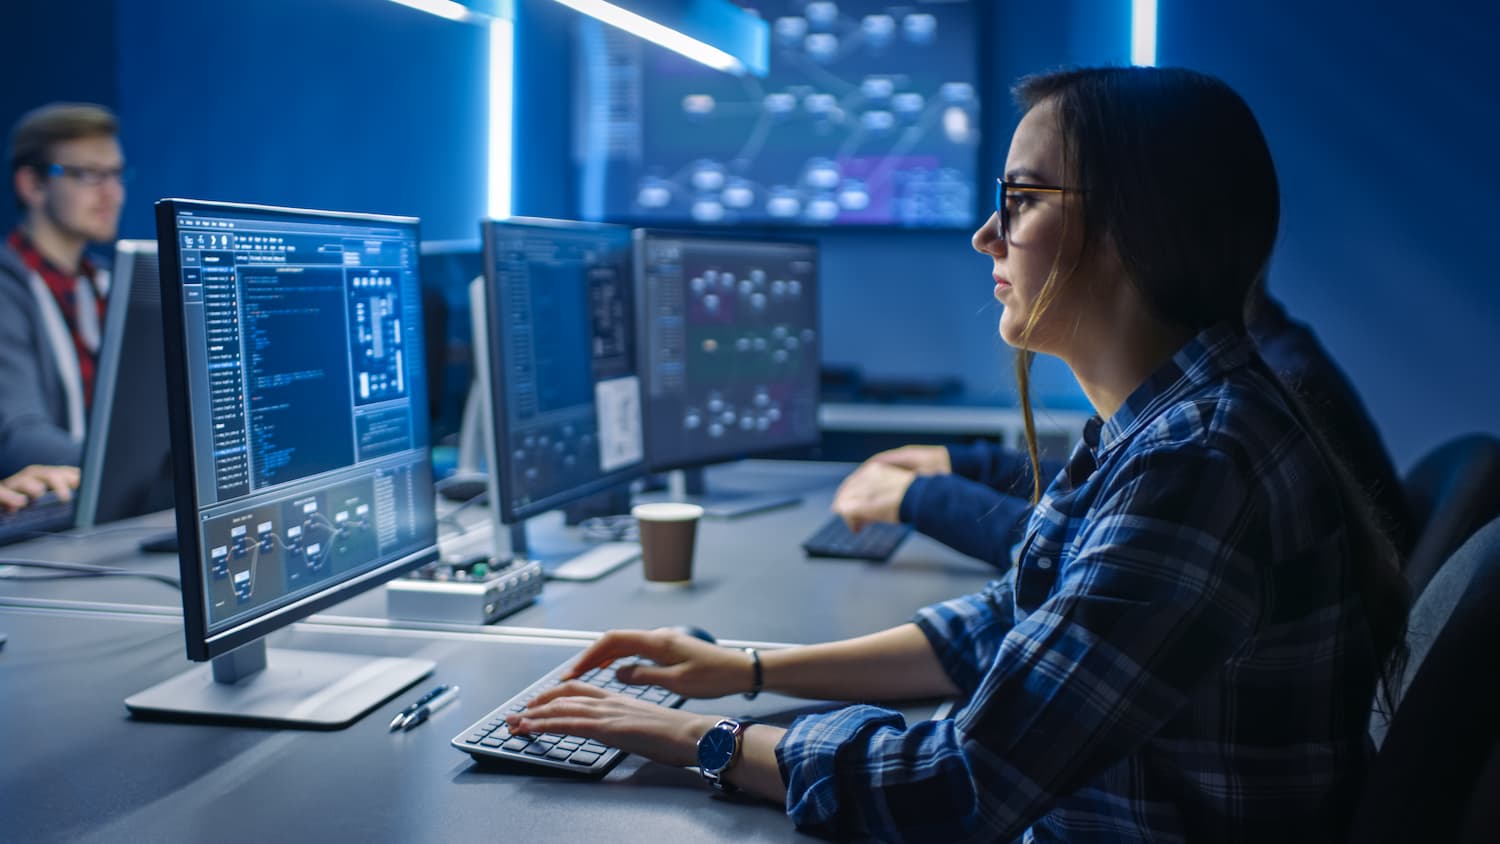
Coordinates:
1179 654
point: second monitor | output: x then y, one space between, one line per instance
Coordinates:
730 353
556 351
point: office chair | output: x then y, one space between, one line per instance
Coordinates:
1445 736
1451 491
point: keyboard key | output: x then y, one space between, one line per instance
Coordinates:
583 757
515 745
558 753
492 742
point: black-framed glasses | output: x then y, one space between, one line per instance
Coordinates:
1006 192
92 176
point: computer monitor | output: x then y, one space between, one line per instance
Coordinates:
299 428
869 115
559 361
448 266
127 456
730 351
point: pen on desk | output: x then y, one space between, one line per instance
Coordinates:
426 709
400 719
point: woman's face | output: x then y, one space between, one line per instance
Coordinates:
1037 230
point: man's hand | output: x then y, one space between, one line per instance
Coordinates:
922 459
33 482
872 494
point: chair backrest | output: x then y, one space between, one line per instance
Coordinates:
1450 492
1447 724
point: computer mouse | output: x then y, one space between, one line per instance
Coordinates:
697 633
462 486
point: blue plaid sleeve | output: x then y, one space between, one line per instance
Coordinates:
1156 600
966 632
824 758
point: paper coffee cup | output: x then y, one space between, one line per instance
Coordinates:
669 530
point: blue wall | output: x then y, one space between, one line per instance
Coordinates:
345 104
1383 119
52 51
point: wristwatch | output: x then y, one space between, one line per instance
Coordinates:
717 750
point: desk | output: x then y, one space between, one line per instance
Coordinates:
751 580
78 768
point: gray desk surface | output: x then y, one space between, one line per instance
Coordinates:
78 768
751 579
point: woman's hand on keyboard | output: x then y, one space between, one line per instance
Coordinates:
634 726
686 665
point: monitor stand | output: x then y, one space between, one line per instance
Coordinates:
284 688
687 485
563 555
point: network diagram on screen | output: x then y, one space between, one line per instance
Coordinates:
312 451
868 116
732 345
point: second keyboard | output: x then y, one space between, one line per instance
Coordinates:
875 541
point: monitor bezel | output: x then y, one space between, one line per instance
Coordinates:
511 512
638 237
202 644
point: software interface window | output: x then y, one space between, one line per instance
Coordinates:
566 354
868 116
731 346
310 453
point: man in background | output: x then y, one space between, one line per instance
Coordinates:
68 172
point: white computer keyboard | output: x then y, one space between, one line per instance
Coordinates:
595 562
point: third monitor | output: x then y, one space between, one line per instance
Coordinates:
730 354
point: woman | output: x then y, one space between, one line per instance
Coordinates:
1189 643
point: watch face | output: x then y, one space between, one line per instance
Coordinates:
716 749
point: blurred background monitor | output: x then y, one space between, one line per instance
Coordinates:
869 116
557 353
730 350
298 405
127 458
448 266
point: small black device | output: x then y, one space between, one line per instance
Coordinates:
490 740
875 541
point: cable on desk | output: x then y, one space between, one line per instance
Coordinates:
71 570
80 534
620 528
449 517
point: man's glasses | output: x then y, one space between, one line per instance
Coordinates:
1009 193
92 176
